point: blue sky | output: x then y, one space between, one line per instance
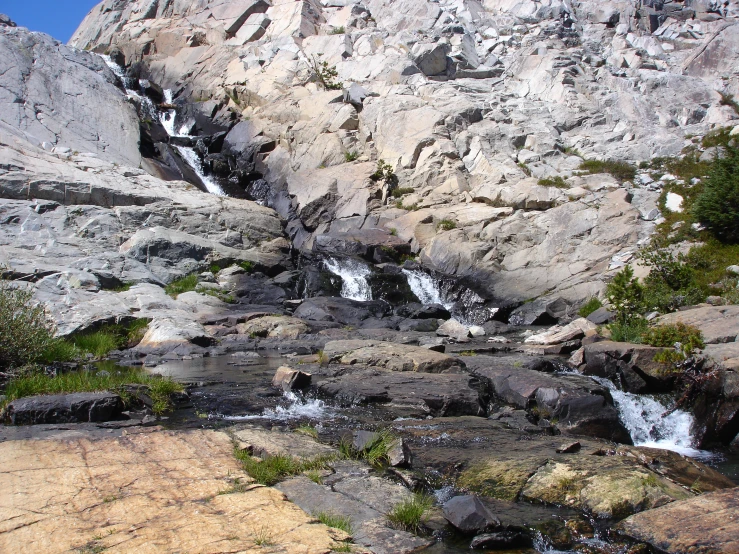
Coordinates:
59 18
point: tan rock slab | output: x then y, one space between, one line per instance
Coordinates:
149 492
719 324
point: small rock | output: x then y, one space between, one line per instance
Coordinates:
469 515
477 331
454 330
288 379
733 269
601 316
569 448
500 541
715 301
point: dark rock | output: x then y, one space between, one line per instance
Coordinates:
469 515
362 243
399 454
341 310
419 311
65 408
568 448
409 394
580 405
503 540
289 379
601 316
422 325
630 365
540 312
5 21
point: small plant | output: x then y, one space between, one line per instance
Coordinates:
446 225
263 536
525 169
236 486
625 295
247 266
557 182
315 476
630 330
397 193
408 515
351 156
334 520
322 357
728 100
307 430
374 452
385 173
184 284
717 207
337 31
589 307
325 74
620 170
341 547
393 232
273 469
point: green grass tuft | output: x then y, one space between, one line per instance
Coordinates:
446 225
556 182
351 156
620 170
337 521
270 470
590 306
185 284
408 515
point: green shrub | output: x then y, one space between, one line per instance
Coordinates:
408 515
446 225
728 100
26 330
717 207
60 350
351 156
397 193
385 173
620 170
688 337
630 330
668 269
337 31
557 182
590 306
184 284
525 168
325 74
625 295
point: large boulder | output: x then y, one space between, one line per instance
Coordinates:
390 356
65 408
274 326
469 515
630 365
341 310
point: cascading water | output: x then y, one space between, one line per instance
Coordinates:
642 415
425 288
167 119
353 276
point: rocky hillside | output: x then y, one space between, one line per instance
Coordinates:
477 107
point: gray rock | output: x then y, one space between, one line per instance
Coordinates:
503 540
65 408
601 316
454 330
431 59
469 515
289 379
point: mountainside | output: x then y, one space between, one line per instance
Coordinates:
470 103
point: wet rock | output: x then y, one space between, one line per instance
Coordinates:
540 312
630 365
423 311
469 515
341 310
707 523
580 405
277 327
408 394
289 379
391 356
399 454
65 408
261 442
504 540
454 330
422 325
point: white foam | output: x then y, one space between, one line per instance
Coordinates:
297 408
353 276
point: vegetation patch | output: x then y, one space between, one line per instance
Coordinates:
402 191
337 521
408 514
184 284
685 338
384 173
375 452
37 383
620 170
327 75
590 306
556 182
351 156
446 225
273 469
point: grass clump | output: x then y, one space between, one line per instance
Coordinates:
408 515
337 521
556 182
590 306
36 383
375 452
630 330
184 284
351 156
341 547
273 469
684 338
620 170
308 430
99 343
446 225
397 193
337 31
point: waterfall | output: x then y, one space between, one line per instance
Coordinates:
642 417
424 287
353 276
167 119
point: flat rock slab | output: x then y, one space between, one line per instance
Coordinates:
365 500
718 323
152 491
259 442
409 393
388 355
79 407
708 523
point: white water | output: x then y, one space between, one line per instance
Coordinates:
642 416
192 159
353 276
296 409
425 288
